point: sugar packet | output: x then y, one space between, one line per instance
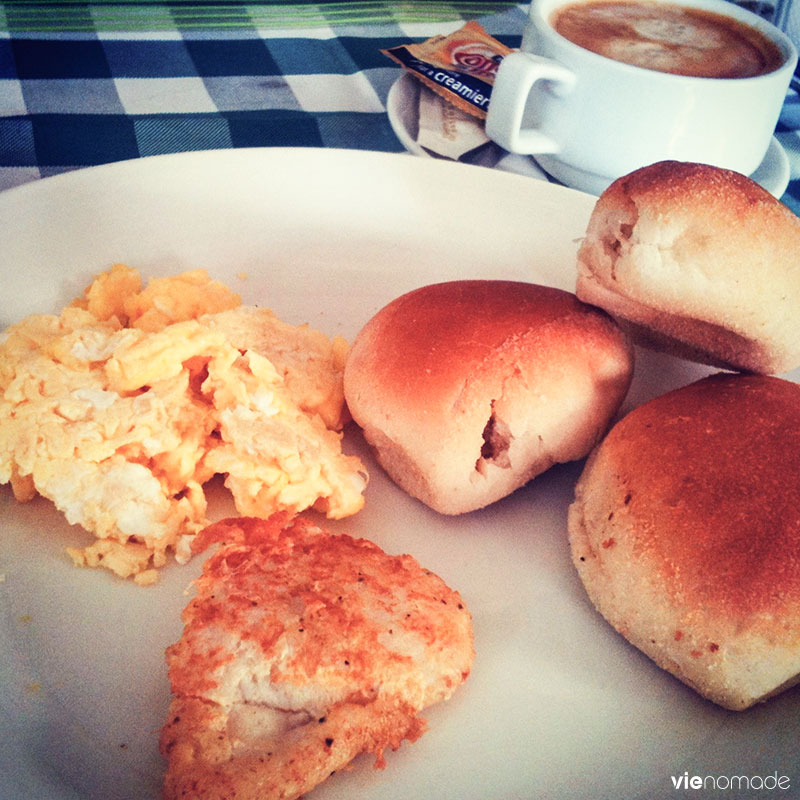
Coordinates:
446 130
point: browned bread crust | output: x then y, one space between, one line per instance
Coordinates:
700 262
468 389
685 530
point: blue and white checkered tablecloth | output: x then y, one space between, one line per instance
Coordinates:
76 99
72 99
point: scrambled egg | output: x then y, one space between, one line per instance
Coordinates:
122 407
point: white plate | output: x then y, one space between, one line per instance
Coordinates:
401 106
557 706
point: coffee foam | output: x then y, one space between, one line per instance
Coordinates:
668 38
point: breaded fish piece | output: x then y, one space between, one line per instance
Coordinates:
301 650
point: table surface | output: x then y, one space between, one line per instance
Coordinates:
98 93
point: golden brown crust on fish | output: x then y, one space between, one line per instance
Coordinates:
301 650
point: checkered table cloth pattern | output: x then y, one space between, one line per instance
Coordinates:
76 99
79 99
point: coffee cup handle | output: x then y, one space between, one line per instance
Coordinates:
517 74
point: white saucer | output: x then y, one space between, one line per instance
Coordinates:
402 102
774 171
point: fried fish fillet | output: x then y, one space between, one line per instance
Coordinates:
301 650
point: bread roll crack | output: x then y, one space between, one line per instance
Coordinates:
497 439
618 243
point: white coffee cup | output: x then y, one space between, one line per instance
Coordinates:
589 119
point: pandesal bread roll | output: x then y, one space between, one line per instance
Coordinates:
697 261
685 530
468 389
